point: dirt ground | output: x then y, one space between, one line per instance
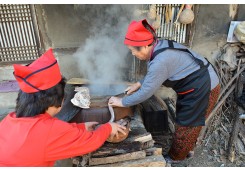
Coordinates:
214 150
206 156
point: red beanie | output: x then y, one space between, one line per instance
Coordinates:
138 35
41 74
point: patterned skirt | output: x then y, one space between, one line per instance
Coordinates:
184 138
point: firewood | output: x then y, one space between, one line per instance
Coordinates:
242 138
241 128
126 146
233 137
149 161
243 47
110 149
144 138
239 145
235 44
81 161
242 116
239 54
117 158
153 151
207 122
148 144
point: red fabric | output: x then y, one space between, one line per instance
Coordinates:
138 35
41 140
43 79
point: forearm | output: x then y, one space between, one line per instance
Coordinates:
154 78
75 141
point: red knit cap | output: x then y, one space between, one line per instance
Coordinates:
41 74
138 35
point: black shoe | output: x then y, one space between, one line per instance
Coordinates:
190 154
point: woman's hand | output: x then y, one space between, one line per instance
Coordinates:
90 126
134 87
115 101
117 128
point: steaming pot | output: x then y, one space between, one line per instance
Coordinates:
98 110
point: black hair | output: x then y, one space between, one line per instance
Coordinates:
32 104
151 30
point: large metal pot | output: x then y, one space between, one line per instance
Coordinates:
99 111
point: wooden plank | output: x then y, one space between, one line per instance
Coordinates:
148 144
117 158
109 149
79 81
145 138
234 136
149 161
153 151
138 139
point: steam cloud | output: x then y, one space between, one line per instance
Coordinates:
102 57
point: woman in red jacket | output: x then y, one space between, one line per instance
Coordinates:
31 136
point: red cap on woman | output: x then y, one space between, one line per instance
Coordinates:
41 74
138 35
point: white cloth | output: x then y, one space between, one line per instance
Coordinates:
81 98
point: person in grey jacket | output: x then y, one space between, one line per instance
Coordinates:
190 75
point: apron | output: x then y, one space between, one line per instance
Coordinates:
192 92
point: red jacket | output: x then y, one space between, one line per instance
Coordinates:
41 140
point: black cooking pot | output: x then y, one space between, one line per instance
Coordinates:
98 110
